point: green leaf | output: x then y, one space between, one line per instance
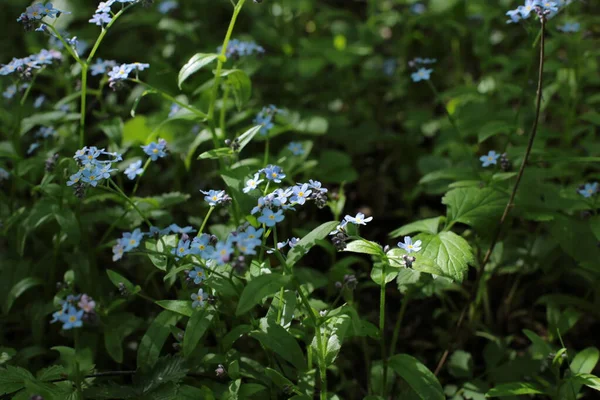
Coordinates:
493 128
241 85
259 288
216 153
539 348
418 377
13 379
479 208
155 337
194 64
68 223
283 343
135 131
16 291
429 225
160 246
247 136
585 361
448 251
117 279
460 364
514 389
588 380
279 380
118 327
364 247
308 241
46 119
166 369
182 307
196 327
234 334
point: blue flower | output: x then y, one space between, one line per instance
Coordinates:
201 246
57 316
269 218
489 159
167 5
238 48
198 299
75 178
223 251
119 72
131 240
316 185
214 197
39 101
514 15
72 318
175 108
589 189
549 6
359 219
422 74
389 66
32 147
296 148
293 242
253 183
46 132
341 228
100 19
301 193
118 251
134 169
155 231
274 173
197 275
418 8
409 246
10 92
248 246
4 174
100 67
569 27
182 249
92 175
156 150
265 118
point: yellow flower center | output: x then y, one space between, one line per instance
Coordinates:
132 241
300 194
274 174
155 151
201 247
181 249
72 318
271 217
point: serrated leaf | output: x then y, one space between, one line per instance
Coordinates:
259 288
308 241
479 208
13 379
194 64
449 251
429 225
418 377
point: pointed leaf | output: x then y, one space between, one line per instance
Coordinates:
194 64
196 327
259 288
418 377
308 241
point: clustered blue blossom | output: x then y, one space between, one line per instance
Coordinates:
46 132
93 170
36 12
490 158
237 48
128 242
10 92
542 8
103 16
32 148
296 148
74 310
265 118
156 150
589 189
34 61
418 8
101 67
121 72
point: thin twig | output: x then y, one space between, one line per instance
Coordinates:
509 205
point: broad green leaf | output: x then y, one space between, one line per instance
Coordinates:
196 327
247 136
283 343
194 64
161 246
135 131
46 119
216 153
18 289
377 273
234 334
155 337
494 128
13 379
279 380
479 208
429 225
450 252
514 389
595 225
241 85
585 361
183 307
204 136
364 247
539 348
588 380
308 241
259 288
418 377
332 350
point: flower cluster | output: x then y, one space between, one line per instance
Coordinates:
265 118
340 234
74 311
36 12
24 66
421 73
238 48
128 242
156 150
92 170
542 8
103 16
588 190
121 72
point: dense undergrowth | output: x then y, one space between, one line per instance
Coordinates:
299 199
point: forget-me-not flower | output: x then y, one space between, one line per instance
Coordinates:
252 183
296 148
214 197
72 318
198 299
301 193
197 275
422 74
134 169
489 159
274 173
270 218
409 246
589 189
156 150
359 219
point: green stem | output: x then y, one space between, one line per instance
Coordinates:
169 97
77 371
210 210
66 45
222 58
28 90
399 319
381 332
224 111
131 202
266 159
83 108
280 311
104 31
137 183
